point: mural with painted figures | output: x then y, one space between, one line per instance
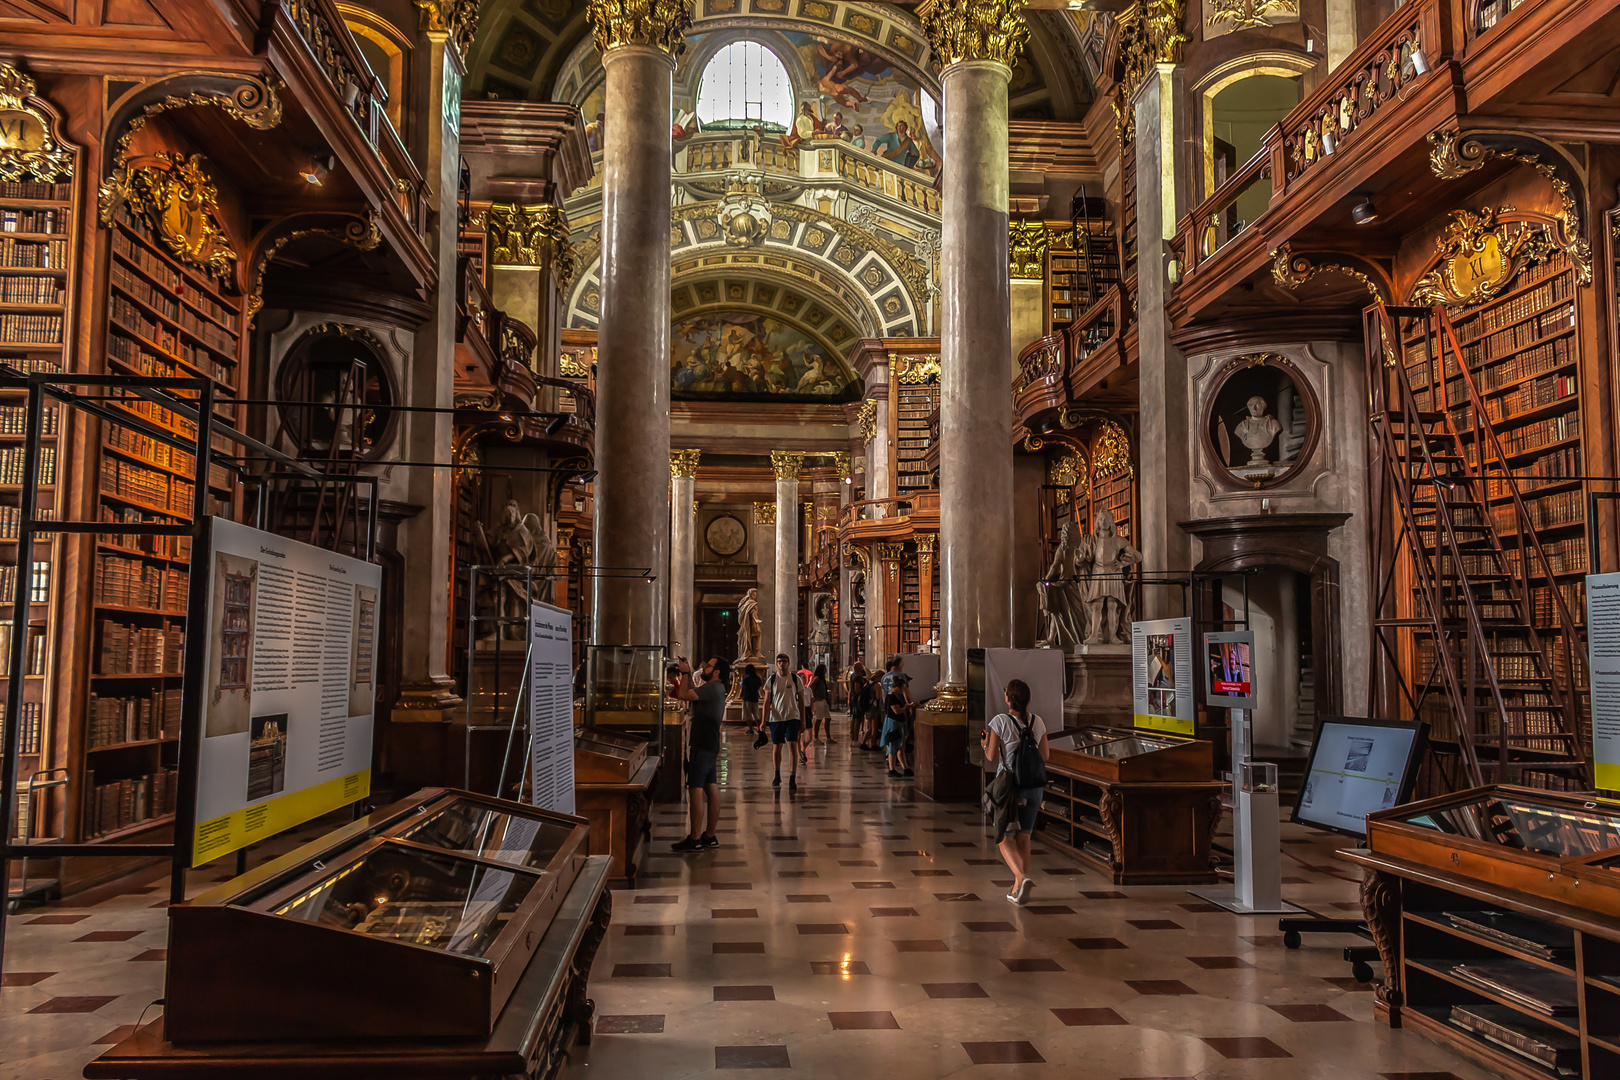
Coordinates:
745 355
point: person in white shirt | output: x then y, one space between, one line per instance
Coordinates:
1001 738
786 701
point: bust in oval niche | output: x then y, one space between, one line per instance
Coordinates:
1261 421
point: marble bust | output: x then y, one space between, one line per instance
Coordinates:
1257 431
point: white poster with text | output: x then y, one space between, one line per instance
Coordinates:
551 708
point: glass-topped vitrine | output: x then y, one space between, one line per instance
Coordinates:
413 922
1122 755
606 757
1544 843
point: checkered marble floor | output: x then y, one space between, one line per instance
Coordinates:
849 928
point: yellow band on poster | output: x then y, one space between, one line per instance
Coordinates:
239 828
1173 725
1606 775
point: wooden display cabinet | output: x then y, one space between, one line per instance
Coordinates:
606 757
414 922
613 778
1140 808
1497 918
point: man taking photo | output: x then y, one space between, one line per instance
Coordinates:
708 710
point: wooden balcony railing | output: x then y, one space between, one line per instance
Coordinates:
1059 369
1363 92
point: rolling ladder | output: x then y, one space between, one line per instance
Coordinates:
1457 563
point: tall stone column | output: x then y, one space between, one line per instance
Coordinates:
975 43
765 575
787 465
639 40
849 649
427 691
683 553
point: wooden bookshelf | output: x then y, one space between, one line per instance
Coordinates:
37 271
910 605
1080 263
1127 211
916 397
165 318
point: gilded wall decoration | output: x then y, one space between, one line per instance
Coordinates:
683 464
1113 452
1480 255
1069 470
866 419
1027 245
531 235
1452 156
961 30
1291 271
458 18
1229 16
659 23
360 233
922 370
764 513
29 147
1151 32
787 464
180 203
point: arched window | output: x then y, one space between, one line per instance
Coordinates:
745 82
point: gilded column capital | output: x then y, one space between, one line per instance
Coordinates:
890 552
457 18
787 463
841 464
659 23
683 463
764 513
925 545
1151 32
531 235
809 510
961 30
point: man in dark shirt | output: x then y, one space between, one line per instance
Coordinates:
752 684
703 754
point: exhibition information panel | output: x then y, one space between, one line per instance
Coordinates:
290 688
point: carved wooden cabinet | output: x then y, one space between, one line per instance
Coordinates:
613 777
1140 808
1496 913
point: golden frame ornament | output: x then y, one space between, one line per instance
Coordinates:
1480 255
29 149
181 204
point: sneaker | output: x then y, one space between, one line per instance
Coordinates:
908 772
894 774
793 782
1022 892
777 780
804 758
687 843
1012 898
708 841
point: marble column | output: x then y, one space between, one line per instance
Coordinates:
683 466
639 40
874 425
765 575
976 42
787 465
427 691
1164 459
848 649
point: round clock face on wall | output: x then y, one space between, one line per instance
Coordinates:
725 536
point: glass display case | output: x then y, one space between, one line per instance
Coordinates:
1544 843
1126 756
606 757
625 692
413 922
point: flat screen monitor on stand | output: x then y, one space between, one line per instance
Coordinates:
1357 766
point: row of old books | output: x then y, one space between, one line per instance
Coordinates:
121 804
1560 465
127 649
139 584
14 420
36 189
1526 304
28 739
1545 512
129 352
30 290
127 480
33 254
169 306
33 650
31 329
114 719
18 219
39 586
161 547
13 462
1531 437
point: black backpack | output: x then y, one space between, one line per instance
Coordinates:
1027 768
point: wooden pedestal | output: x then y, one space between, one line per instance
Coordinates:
620 820
1136 834
944 773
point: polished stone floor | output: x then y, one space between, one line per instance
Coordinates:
848 929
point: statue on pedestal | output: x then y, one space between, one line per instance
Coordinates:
1063 608
748 626
1257 431
821 629
1103 559
516 541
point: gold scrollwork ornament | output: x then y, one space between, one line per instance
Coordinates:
531 236
1027 245
1479 256
179 201
28 146
866 419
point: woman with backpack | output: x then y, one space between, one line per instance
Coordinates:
1016 741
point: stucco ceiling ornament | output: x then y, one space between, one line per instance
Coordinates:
961 30
744 216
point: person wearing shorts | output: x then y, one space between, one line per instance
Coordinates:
785 705
1001 737
708 707
896 729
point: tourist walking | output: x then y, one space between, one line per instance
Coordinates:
897 709
708 710
786 702
1016 741
749 690
820 706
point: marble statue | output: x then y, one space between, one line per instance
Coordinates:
1257 431
748 627
821 629
1063 608
1103 560
513 543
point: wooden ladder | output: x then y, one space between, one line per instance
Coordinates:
1457 560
